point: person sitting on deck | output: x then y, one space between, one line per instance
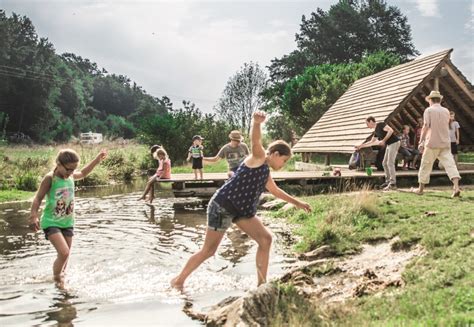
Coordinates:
163 172
409 153
234 152
236 202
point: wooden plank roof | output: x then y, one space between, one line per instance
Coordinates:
396 96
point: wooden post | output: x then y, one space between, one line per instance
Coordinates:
436 84
327 160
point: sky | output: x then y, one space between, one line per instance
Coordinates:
187 50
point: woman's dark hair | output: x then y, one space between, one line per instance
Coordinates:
281 147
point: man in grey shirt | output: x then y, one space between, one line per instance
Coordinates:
234 152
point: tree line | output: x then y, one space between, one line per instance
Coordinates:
53 97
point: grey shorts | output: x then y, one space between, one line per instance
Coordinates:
218 218
67 232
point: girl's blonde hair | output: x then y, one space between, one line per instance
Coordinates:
67 156
281 147
158 152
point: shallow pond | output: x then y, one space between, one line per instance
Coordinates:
124 253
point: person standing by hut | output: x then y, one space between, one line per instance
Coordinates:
435 143
384 137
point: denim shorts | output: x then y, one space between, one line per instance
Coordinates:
67 232
218 218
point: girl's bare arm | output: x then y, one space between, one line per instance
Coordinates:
90 166
257 157
279 193
39 196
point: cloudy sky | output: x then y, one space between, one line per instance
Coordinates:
189 49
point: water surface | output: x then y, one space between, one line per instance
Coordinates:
124 254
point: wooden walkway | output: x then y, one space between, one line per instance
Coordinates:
186 185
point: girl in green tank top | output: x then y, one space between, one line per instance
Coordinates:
57 219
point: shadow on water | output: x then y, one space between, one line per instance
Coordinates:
123 255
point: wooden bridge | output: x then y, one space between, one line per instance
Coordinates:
184 185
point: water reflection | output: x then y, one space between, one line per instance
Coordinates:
123 255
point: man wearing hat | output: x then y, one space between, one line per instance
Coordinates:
435 143
234 152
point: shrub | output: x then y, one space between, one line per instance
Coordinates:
26 181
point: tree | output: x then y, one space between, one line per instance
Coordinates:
308 96
242 96
346 33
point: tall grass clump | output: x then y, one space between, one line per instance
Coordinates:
26 181
336 220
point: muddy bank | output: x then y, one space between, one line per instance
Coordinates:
322 279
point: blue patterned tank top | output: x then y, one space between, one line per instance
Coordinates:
242 191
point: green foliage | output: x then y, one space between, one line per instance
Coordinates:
308 96
26 181
175 130
52 97
346 33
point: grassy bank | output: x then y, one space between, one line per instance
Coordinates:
23 167
439 286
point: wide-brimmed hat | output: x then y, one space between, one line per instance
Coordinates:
198 137
236 136
434 94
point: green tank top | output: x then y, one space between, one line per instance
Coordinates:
59 209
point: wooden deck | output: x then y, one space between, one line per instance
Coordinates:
185 184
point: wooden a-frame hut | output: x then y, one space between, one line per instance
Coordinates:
397 97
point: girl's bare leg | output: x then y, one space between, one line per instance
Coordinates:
211 243
62 248
254 228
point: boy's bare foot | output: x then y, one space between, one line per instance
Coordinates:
150 200
416 191
141 198
174 284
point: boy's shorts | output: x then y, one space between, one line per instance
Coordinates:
67 232
197 163
218 218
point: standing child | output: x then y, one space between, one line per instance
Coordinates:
236 202
163 172
454 135
57 220
196 153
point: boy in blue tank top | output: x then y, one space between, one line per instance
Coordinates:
236 202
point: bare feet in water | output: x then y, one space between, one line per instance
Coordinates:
175 284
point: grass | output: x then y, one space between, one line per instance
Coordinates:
214 167
466 157
23 167
439 287
15 195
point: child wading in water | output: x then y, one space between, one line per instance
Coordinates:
236 202
195 152
163 172
57 220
